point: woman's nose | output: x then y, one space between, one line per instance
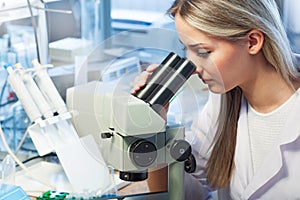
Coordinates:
192 58
199 70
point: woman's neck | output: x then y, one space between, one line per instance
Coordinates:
267 90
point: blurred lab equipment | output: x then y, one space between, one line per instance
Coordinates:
24 39
130 132
63 25
12 192
291 22
77 34
26 30
14 124
52 130
8 170
95 20
155 6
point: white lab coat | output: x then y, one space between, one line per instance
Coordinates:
279 175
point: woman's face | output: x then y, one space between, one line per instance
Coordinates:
221 64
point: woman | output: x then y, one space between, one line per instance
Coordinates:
247 137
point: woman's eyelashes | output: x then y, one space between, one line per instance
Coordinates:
203 53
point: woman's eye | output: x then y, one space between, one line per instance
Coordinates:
183 48
203 54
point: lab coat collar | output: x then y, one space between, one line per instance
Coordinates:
273 163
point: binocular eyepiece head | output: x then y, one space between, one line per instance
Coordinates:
168 78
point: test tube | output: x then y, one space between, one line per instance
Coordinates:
155 79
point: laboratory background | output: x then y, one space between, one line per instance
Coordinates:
67 67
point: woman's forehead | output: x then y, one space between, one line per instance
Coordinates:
189 34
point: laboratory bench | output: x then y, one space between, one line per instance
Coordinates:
51 177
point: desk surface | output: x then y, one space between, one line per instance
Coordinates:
52 177
134 188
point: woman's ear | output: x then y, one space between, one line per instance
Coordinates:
255 41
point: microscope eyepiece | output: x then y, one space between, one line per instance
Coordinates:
163 84
154 80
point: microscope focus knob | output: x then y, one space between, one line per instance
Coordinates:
106 135
180 150
190 164
143 153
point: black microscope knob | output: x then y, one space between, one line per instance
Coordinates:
143 153
106 135
180 150
190 164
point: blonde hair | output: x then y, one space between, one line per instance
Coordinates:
231 20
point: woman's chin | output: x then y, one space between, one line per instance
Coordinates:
216 89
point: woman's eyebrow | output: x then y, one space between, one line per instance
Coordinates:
193 45
196 45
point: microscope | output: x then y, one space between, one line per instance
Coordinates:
131 130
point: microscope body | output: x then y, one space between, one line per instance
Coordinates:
131 133
131 136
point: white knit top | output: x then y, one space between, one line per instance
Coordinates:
265 129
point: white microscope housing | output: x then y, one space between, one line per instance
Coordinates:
131 136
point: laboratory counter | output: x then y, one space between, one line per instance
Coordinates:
44 176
